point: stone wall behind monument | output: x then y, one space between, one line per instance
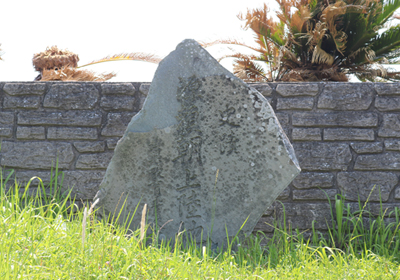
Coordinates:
346 137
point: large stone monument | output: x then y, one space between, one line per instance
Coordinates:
198 119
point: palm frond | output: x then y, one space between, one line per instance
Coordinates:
139 56
67 73
231 42
248 71
388 8
386 42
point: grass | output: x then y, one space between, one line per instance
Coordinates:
44 236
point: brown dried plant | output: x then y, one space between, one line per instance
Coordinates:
67 73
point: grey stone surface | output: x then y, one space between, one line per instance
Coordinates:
117 88
116 124
385 161
392 145
283 118
6 132
89 146
314 194
306 180
71 96
112 143
384 104
23 177
144 88
84 184
322 156
198 118
36 155
24 88
387 88
306 134
390 126
295 103
74 133
262 88
362 185
117 103
27 102
346 96
294 89
397 193
367 148
284 195
93 161
6 118
31 132
341 134
337 119
62 118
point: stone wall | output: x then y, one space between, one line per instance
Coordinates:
346 137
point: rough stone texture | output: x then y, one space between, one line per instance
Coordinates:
28 102
356 185
392 145
24 88
198 118
36 155
340 134
6 118
397 193
117 88
5 132
71 96
283 119
76 133
62 118
385 161
29 132
308 180
314 194
337 119
117 103
144 88
306 134
86 146
293 89
298 103
367 148
93 161
84 184
345 96
387 103
322 156
116 124
387 88
112 143
262 88
390 126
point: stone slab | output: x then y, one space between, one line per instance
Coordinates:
117 103
306 134
385 104
262 88
116 124
89 146
385 161
117 89
392 145
390 126
72 133
314 194
352 134
23 102
297 89
63 118
308 180
84 184
198 121
74 96
298 103
25 88
31 132
6 118
336 119
367 148
93 161
387 88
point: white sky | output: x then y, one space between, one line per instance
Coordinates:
95 29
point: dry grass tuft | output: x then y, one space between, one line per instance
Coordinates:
54 58
67 73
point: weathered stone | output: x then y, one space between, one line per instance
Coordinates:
308 180
284 195
342 134
295 103
314 194
144 88
25 102
36 155
367 148
390 126
262 88
88 146
30 132
68 118
198 118
306 134
387 103
397 193
344 96
337 119
24 88
385 161
116 124
293 89
283 118
6 131
358 185
23 177
76 133
84 184
323 156
6 118
112 143
117 88
117 103
392 145
387 88
71 96
93 161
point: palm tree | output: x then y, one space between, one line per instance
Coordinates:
318 40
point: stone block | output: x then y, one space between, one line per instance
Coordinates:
117 103
387 88
6 118
5 132
343 134
284 195
297 89
306 134
366 185
72 133
385 104
117 88
93 161
397 193
262 88
283 119
307 180
322 156
336 119
23 102
390 126
23 177
36 155
116 124
346 96
76 96
112 143
31 132
89 146
367 148
392 145
84 184
385 161
25 88
66 118
314 194
144 88
295 103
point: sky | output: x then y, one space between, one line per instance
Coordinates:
95 29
